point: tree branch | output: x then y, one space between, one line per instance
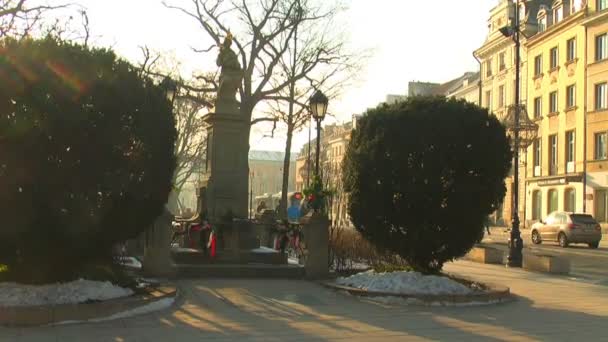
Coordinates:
258 120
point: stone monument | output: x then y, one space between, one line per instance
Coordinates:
224 184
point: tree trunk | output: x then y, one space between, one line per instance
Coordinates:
286 165
290 129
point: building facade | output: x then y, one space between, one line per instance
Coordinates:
465 87
334 141
596 184
416 88
569 101
266 172
497 65
556 92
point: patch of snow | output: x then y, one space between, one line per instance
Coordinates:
130 262
411 283
148 308
264 250
414 301
78 291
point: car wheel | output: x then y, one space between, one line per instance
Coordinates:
563 240
536 238
594 245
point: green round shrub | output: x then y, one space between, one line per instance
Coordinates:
423 174
86 156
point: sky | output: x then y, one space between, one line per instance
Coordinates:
410 40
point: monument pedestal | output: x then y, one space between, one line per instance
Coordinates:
225 180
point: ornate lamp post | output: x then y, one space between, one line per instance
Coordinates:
522 132
318 109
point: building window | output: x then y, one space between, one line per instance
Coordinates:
501 96
489 99
553 154
536 205
501 62
571 49
602 5
601 47
489 67
570 96
538 65
557 15
601 96
570 137
554 58
551 201
538 107
537 156
570 200
601 204
553 102
600 146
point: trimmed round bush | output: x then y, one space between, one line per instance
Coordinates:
423 174
86 156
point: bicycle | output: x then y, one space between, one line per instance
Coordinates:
289 239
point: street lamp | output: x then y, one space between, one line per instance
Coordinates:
522 132
318 109
170 88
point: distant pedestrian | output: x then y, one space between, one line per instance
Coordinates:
261 207
293 213
487 223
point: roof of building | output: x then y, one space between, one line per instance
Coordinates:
457 83
271 155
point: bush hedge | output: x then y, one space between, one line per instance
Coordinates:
423 174
86 156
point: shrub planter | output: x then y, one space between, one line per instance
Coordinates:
546 264
486 255
490 294
29 316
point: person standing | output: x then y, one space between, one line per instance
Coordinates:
293 213
487 223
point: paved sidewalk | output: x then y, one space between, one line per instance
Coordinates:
548 309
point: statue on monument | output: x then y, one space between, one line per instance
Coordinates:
230 78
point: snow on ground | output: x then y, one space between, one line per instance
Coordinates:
79 291
412 283
148 308
264 250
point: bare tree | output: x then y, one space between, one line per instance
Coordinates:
192 100
291 108
268 26
18 18
191 140
275 68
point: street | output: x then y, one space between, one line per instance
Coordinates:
588 265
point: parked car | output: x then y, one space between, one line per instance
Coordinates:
566 228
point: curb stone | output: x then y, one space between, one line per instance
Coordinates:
30 316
